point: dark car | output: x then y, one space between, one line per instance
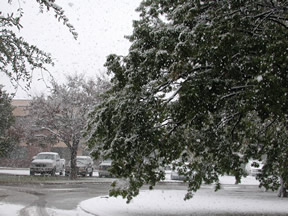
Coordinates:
84 166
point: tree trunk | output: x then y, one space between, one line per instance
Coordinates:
282 190
73 170
74 149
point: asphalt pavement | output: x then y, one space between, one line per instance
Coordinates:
88 196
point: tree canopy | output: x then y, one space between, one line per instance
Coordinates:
18 58
8 137
63 113
204 86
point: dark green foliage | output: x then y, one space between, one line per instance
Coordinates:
201 82
8 138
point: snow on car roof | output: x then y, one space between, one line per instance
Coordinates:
53 153
83 156
106 162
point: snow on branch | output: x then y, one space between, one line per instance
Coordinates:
59 14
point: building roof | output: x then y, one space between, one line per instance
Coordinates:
20 107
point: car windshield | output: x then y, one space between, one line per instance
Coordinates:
82 161
45 156
106 163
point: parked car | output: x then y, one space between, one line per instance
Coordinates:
104 167
175 173
84 166
176 176
47 163
254 167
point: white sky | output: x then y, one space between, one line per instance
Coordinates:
101 25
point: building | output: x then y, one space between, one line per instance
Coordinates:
27 149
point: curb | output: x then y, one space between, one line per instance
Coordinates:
13 168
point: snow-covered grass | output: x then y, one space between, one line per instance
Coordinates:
224 179
60 212
249 180
170 202
22 171
14 171
9 209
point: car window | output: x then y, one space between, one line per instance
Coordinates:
45 156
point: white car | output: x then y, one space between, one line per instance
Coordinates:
176 176
254 167
104 167
47 163
175 173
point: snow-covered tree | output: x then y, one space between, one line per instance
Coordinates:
64 112
197 76
18 58
8 138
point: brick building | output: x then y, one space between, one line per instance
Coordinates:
23 153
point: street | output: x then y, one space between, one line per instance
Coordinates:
63 197
56 196
45 199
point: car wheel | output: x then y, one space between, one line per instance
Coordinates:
62 171
53 172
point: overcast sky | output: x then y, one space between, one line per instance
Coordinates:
101 25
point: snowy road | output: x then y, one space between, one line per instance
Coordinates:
48 200
167 199
68 198
19 210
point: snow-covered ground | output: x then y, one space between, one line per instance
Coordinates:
22 171
162 202
7 209
14 171
250 180
170 202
